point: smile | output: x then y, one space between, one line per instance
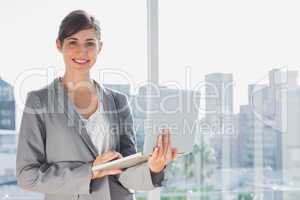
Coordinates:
81 61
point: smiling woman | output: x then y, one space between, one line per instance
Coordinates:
56 151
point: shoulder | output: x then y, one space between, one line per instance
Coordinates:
42 92
121 99
118 96
38 98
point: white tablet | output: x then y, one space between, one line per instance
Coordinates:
122 163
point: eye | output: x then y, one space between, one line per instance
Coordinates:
89 44
72 43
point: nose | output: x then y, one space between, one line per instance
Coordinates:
82 51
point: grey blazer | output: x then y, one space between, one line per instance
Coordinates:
55 152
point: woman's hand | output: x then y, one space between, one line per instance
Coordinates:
163 153
108 156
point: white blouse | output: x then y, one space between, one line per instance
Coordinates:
97 127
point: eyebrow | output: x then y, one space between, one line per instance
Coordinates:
89 39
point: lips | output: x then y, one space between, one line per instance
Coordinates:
81 61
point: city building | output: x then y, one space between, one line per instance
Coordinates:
7 106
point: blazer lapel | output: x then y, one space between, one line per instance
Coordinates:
110 112
73 117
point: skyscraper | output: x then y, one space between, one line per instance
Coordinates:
269 133
219 112
220 119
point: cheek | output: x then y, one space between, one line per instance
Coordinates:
92 54
68 54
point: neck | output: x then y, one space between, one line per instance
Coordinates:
76 78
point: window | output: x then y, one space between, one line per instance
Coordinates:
6 122
248 145
248 104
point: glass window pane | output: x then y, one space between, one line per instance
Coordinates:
247 145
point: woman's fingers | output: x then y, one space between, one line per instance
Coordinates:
102 173
174 154
157 141
165 139
155 154
169 148
112 172
164 144
164 151
111 154
160 146
108 156
160 141
119 155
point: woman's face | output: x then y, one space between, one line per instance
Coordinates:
80 50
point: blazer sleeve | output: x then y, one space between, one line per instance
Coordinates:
33 172
138 177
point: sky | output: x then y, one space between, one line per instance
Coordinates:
245 38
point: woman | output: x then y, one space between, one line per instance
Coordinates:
60 139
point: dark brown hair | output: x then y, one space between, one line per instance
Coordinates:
76 21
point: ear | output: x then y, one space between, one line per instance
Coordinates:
100 44
58 45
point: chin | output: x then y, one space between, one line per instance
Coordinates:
80 67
